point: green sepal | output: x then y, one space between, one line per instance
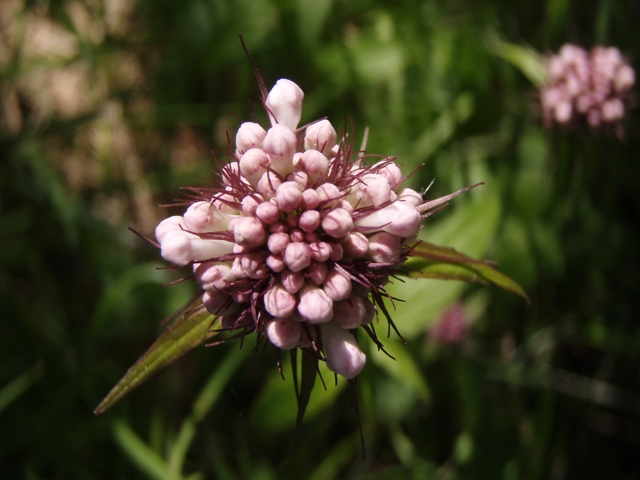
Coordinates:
189 331
432 261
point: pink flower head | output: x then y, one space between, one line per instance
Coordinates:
590 88
299 237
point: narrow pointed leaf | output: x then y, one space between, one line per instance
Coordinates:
432 261
189 331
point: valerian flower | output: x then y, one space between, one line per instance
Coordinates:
591 88
295 243
300 237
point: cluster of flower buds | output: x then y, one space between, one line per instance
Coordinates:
591 87
298 240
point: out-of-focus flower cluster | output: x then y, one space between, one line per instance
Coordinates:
591 87
299 238
452 327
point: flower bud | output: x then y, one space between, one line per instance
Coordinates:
230 171
410 196
624 79
399 218
167 225
350 312
374 190
203 217
344 356
284 103
338 223
253 265
268 212
253 164
268 184
283 333
298 176
370 311
280 145
392 173
612 110
279 302
310 199
356 245
337 252
309 220
296 235
384 248
288 196
292 281
250 135
182 248
277 242
213 276
218 303
315 164
320 136
320 251
337 286
249 205
316 272
249 232
328 194
315 306
297 256
276 263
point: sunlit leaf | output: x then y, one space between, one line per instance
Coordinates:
192 329
433 261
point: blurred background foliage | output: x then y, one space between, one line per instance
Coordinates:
110 106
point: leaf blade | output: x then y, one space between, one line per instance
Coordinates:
189 331
433 261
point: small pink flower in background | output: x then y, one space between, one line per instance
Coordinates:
299 238
587 87
452 327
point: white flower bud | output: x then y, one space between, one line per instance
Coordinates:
315 164
320 136
279 302
280 145
309 220
249 232
316 272
268 184
320 251
399 218
344 356
292 281
337 286
182 248
213 276
250 135
283 333
285 103
349 312
356 245
218 303
410 196
253 164
315 305
168 225
384 248
337 223
288 196
297 256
